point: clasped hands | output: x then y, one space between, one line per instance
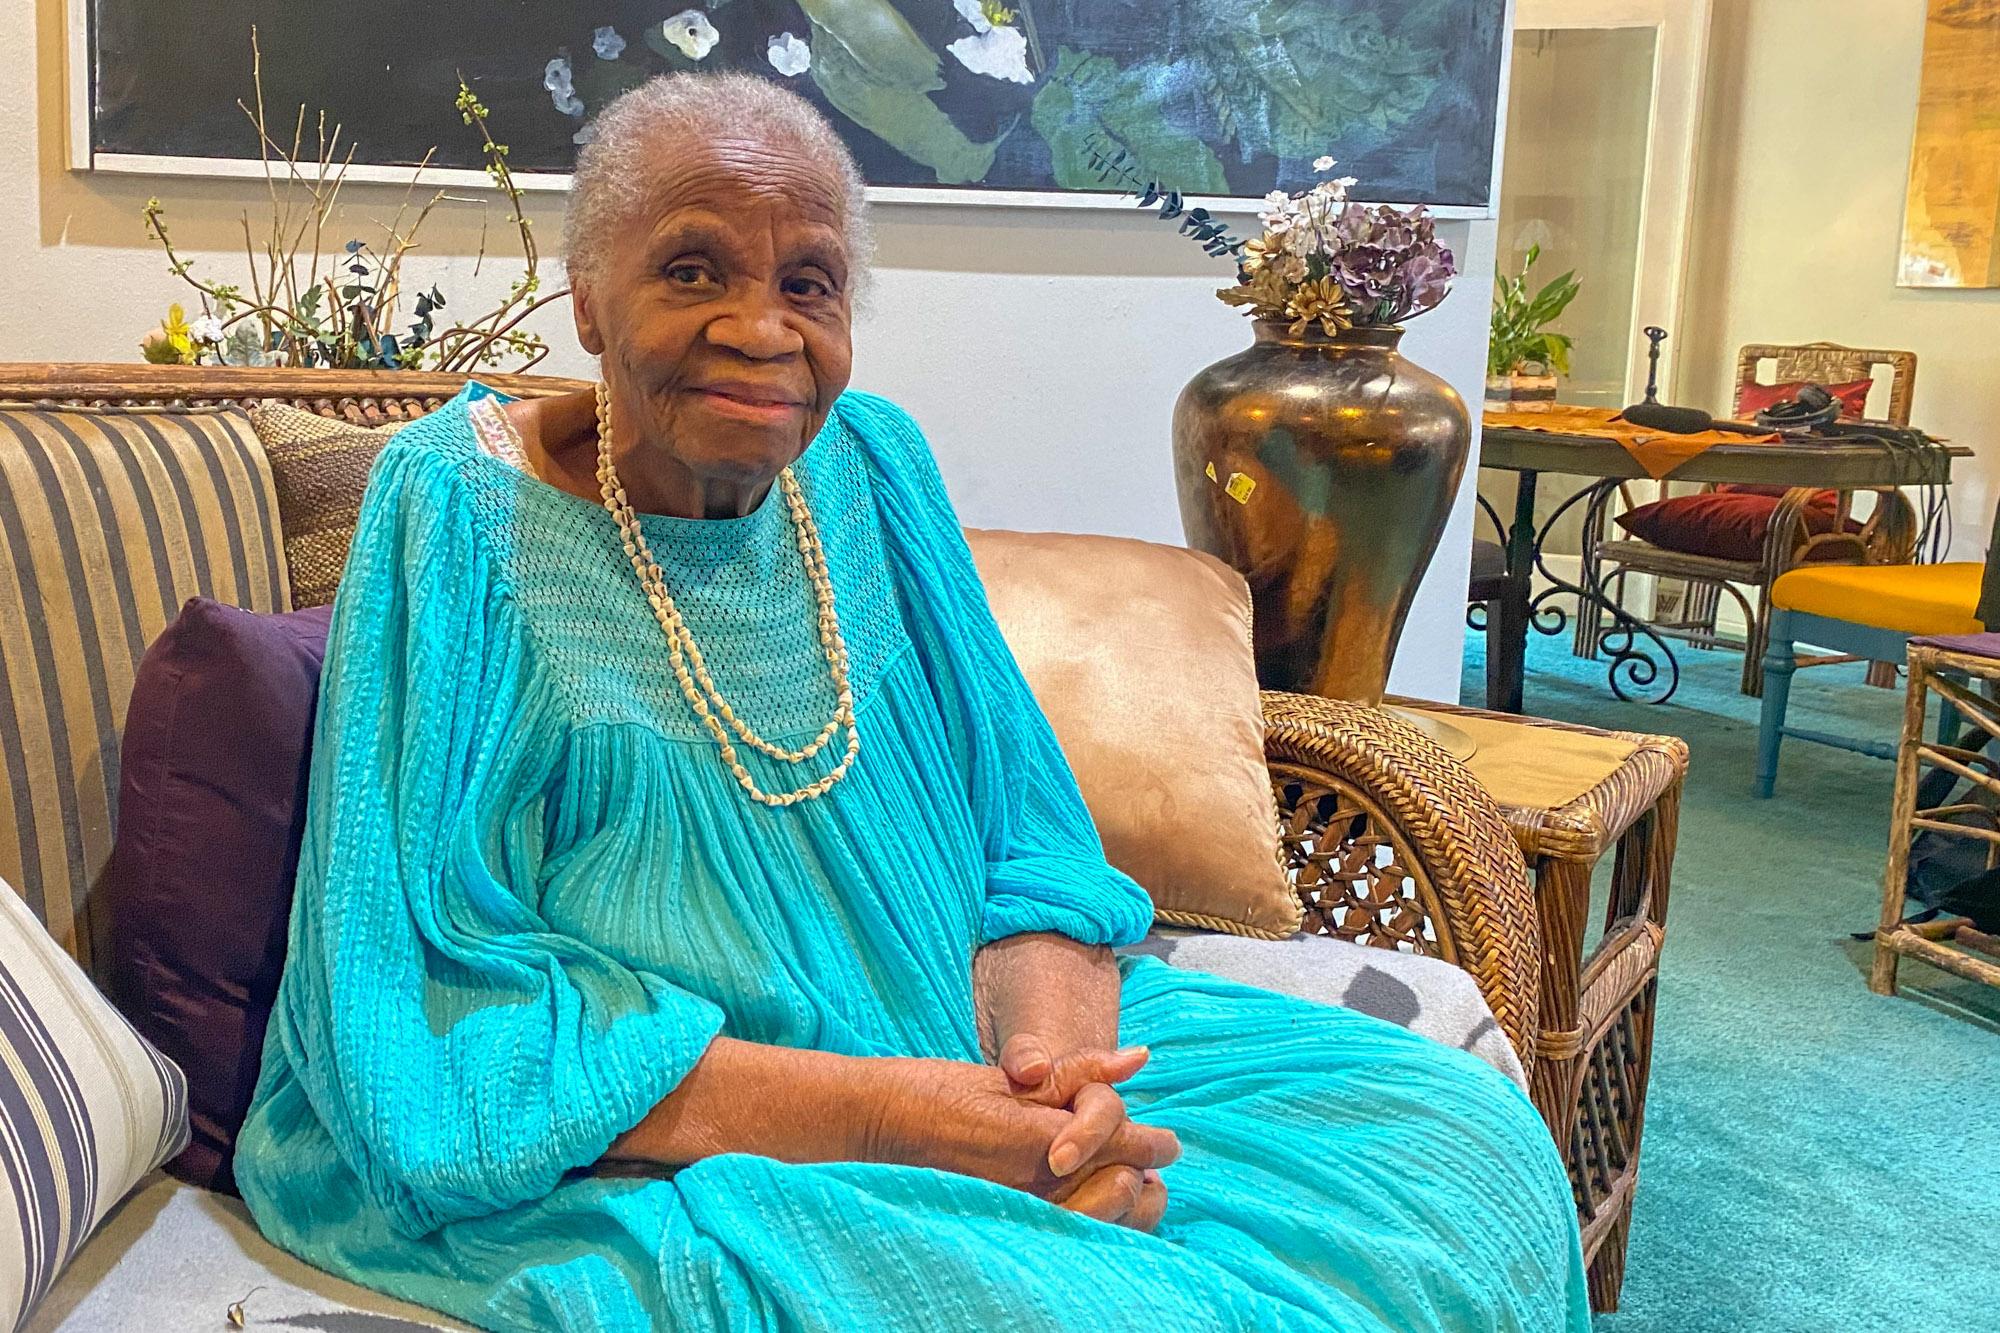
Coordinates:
1049 1124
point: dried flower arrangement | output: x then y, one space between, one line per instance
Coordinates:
303 305
1321 259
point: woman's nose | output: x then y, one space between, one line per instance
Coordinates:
756 326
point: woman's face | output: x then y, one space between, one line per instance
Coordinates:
723 312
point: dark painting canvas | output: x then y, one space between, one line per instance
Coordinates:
1213 97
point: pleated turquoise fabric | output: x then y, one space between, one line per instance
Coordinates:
530 894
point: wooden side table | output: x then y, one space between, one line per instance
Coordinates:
1945 666
1571 794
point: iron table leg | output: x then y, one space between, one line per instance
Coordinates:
1508 637
1635 662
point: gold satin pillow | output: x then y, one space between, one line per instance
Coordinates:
1140 656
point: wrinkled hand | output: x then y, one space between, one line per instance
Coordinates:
1080 1082
976 1120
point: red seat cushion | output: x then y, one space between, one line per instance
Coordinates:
1754 398
1728 524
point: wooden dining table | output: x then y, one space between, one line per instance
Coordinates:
1640 660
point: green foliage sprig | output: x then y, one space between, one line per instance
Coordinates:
1521 336
1114 166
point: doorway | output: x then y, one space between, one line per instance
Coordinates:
1603 112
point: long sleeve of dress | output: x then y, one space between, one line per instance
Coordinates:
1045 863
461 1053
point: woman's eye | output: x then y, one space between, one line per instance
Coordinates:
810 287
687 275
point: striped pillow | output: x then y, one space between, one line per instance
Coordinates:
109 520
88 1109
321 468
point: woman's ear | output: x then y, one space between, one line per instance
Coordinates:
587 331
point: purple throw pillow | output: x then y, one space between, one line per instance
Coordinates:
198 892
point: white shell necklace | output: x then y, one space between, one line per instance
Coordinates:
691 670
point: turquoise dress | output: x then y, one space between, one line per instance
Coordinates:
530 894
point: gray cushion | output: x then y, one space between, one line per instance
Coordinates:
173 1256
1426 995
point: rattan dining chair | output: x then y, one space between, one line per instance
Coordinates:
1888 537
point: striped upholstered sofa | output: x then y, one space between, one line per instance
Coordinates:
126 490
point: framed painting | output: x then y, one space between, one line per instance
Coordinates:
1010 101
1951 217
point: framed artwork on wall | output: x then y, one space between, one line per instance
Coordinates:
1951 218
982 101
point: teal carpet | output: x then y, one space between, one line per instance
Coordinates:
1816 1157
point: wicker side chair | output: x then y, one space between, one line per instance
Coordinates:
1888 537
1387 840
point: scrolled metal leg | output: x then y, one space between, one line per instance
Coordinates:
1632 664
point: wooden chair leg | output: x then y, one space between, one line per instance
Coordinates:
1895 876
1701 599
1606 1275
1780 661
1562 904
1756 642
1589 629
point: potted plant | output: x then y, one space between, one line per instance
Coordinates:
1525 357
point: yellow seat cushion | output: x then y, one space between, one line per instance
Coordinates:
1907 599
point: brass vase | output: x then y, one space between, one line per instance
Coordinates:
1324 469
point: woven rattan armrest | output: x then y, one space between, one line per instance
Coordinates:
1389 841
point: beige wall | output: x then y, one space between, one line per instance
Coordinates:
1799 206
1041 349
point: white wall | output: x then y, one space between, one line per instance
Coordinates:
1041 349
1799 209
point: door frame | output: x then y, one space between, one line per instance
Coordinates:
1666 209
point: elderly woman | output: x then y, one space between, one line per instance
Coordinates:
682 833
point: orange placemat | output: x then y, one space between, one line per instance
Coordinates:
1656 451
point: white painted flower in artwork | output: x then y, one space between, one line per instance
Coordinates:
1323 164
999 53
607 43
973 12
789 55
205 329
691 33
556 77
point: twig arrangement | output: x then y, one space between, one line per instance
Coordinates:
302 305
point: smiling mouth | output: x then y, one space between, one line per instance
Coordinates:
751 395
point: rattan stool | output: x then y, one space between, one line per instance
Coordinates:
1937 666
1571 794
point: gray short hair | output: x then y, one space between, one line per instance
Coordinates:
612 170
